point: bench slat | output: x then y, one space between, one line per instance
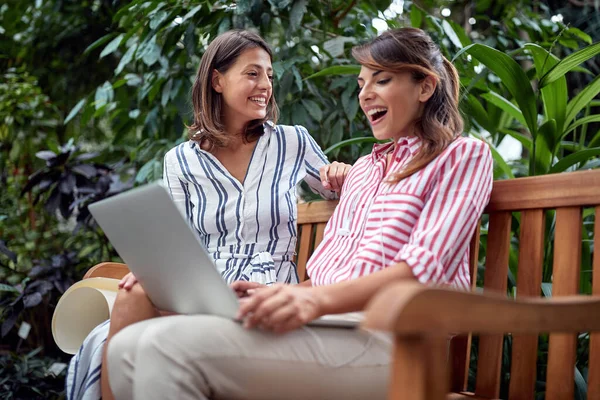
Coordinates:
306 236
594 362
529 280
460 346
496 270
566 267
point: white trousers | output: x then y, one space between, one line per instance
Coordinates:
207 357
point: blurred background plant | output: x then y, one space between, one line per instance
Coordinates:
93 93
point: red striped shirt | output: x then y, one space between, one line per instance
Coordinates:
425 220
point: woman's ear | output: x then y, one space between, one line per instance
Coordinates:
216 81
428 86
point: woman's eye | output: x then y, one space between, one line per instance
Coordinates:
271 78
252 74
383 81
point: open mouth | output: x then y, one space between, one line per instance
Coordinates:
375 114
261 101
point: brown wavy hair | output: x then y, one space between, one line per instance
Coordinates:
411 49
220 55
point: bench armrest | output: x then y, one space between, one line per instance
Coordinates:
409 308
107 270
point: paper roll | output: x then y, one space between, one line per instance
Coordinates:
84 306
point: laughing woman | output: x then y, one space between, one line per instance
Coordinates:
407 212
235 181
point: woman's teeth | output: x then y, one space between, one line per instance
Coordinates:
376 113
259 100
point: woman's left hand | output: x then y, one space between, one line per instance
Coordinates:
280 308
333 175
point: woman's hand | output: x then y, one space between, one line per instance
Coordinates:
333 175
280 308
127 281
246 288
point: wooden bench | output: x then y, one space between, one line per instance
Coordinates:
424 317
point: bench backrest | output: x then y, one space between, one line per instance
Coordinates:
525 202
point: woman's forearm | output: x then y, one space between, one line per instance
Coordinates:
353 295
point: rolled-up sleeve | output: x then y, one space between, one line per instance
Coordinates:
177 188
453 207
314 159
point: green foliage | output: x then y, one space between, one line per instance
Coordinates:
113 78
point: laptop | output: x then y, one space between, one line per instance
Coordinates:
167 257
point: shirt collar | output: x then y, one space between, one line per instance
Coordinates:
268 127
412 143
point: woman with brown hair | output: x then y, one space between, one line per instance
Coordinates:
407 212
235 181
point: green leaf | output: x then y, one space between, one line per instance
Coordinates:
595 140
512 76
337 70
416 17
575 158
158 19
475 110
104 94
191 13
350 102
350 142
75 110
580 34
582 99
112 46
98 43
313 109
544 149
337 132
7 288
126 59
554 95
297 13
570 62
505 105
450 34
582 121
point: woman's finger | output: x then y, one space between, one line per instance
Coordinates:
267 308
280 316
324 173
253 302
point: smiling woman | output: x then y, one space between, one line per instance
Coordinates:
234 180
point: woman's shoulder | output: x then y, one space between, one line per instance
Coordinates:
178 152
290 130
465 146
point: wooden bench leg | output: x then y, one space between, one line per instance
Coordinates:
420 368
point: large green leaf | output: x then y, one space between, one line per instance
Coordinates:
575 158
543 150
112 46
583 121
570 62
350 142
555 94
505 105
337 70
582 99
512 76
476 111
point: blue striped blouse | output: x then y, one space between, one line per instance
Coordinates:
249 228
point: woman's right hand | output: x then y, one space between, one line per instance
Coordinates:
128 281
245 288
